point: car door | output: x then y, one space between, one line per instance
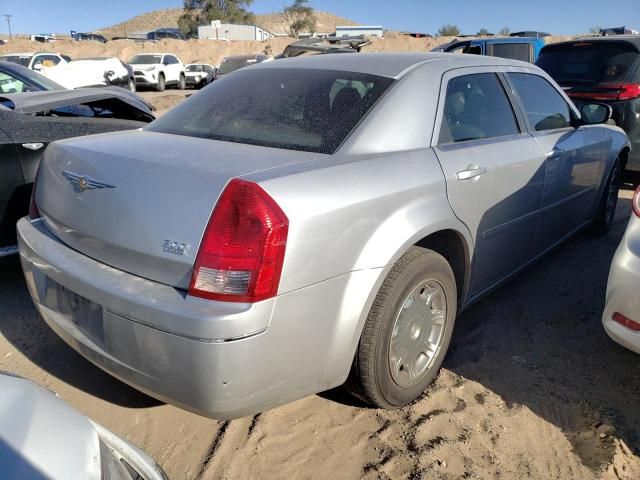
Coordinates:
573 157
173 68
493 170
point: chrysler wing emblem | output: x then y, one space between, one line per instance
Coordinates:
82 183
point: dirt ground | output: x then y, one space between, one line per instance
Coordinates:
532 388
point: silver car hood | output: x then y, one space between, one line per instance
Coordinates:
151 189
42 437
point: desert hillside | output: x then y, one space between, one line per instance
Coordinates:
168 18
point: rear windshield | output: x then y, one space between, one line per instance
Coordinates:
588 63
293 109
19 59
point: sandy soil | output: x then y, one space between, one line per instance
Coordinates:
532 388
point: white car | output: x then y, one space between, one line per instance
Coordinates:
158 70
621 318
36 60
92 72
199 74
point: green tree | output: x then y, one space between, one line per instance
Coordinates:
483 31
504 31
202 12
299 17
448 31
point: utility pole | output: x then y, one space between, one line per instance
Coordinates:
8 18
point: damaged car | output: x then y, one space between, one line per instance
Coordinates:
30 121
93 72
317 45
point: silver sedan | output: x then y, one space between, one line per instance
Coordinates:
621 317
307 220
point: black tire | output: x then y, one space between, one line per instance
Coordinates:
606 210
132 85
371 378
182 82
161 85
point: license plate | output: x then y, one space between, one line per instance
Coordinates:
83 313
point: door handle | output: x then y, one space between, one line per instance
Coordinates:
472 171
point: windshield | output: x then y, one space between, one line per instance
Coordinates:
296 109
195 68
25 80
588 63
19 59
146 59
232 64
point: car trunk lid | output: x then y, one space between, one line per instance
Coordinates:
140 201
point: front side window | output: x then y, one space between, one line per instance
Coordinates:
545 108
296 109
476 107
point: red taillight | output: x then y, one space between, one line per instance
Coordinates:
636 202
626 322
33 208
242 250
614 91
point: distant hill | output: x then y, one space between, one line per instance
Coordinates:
168 17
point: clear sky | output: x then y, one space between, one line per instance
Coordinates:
555 16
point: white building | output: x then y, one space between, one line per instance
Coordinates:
230 31
355 30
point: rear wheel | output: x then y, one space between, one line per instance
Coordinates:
407 332
160 86
132 85
605 213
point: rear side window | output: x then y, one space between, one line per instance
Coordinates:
293 109
475 107
545 108
515 51
588 63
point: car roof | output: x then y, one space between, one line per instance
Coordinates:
392 65
632 39
21 54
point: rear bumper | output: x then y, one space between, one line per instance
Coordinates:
218 359
623 289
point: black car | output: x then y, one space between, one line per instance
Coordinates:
30 121
601 69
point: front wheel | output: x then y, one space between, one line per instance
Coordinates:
160 86
132 85
182 83
606 210
407 332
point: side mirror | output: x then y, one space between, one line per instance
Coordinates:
110 73
37 67
595 113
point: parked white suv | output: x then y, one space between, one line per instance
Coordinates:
35 61
158 70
